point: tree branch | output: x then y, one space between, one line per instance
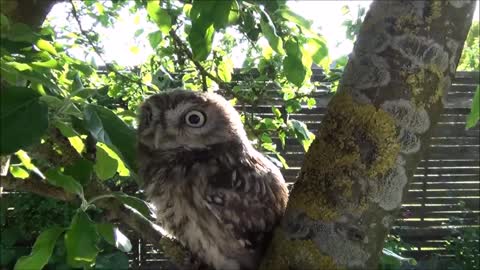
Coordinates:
203 72
36 186
97 51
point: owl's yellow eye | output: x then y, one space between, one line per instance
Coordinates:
195 119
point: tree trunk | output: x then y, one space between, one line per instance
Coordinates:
29 12
377 126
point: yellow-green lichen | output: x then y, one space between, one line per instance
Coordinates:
422 81
355 140
173 250
408 24
416 83
435 11
286 254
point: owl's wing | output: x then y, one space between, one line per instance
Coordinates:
248 199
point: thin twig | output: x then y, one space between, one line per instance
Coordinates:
97 51
178 41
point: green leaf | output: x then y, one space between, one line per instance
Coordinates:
136 203
41 251
81 241
159 16
200 39
277 112
220 13
311 102
105 166
155 38
108 128
20 108
4 23
52 63
134 49
19 172
57 178
80 170
282 160
225 70
21 32
139 32
302 133
294 69
317 48
292 105
474 115
46 46
234 13
19 66
268 30
73 137
212 12
289 15
114 236
116 260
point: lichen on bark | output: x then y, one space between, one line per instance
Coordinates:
355 138
292 254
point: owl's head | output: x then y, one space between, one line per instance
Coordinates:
188 119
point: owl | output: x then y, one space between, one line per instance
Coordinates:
211 189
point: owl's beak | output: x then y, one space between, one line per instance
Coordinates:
157 140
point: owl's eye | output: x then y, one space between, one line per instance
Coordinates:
147 115
195 119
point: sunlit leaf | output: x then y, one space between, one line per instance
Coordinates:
289 15
73 137
200 39
108 128
81 241
303 134
134 49
114 236
268 30
46 46
41 251
159 16
20 108
105 166
294 68
221 13
57 178
52 63
138 204
19 172
225 70
234 13
317 48
282 160
19 66
474 115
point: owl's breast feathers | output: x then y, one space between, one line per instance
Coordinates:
229 193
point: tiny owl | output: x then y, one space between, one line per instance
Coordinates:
212 190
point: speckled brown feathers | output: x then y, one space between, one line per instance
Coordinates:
213 191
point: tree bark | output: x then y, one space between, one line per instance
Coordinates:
351 184
29 12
